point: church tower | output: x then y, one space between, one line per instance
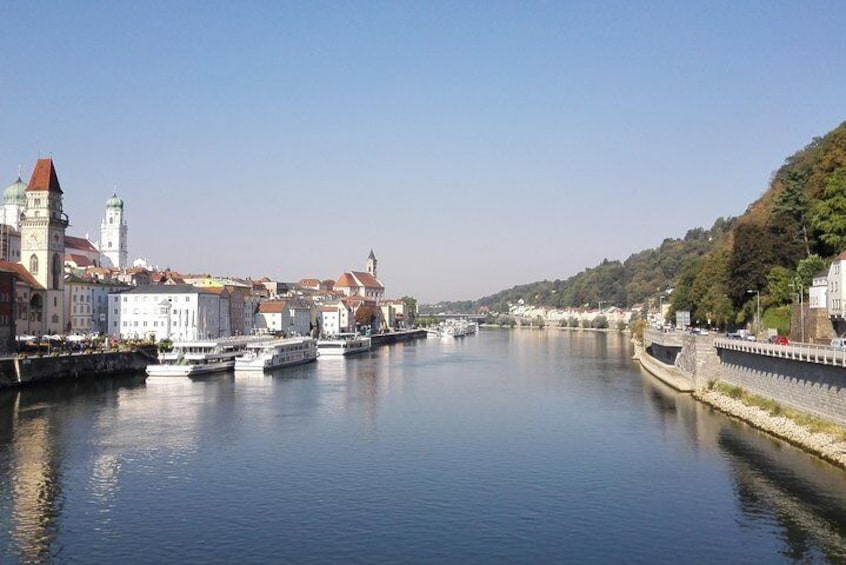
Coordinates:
371 264
113 234
43 226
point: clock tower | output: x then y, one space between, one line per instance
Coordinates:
43 226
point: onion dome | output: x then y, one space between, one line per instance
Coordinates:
15 193
114 202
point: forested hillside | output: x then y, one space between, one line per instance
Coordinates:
783 239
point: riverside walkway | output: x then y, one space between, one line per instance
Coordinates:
805 352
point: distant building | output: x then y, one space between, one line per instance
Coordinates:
836 279
175 312
818 293
43 226
8 280
113 234
289 317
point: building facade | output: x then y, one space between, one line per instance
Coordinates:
42 231
174 312
113 234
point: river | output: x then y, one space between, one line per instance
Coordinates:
508 446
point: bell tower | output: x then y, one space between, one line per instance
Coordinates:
371 264
113 231
43 226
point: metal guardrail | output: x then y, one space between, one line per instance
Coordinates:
805 352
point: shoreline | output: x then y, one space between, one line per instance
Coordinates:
821 445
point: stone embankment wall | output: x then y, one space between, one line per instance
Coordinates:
19 371
809 387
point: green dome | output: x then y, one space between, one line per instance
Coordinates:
15 193
114 202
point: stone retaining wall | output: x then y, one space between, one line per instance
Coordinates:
18 371
812 388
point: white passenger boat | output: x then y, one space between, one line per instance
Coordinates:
200 357
264 356
343 344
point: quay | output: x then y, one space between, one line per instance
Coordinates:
810 379
23 370
395 337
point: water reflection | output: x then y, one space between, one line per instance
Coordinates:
776 485
33 426
509 437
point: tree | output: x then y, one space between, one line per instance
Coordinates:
751 259
809 267
365 315
790 214
829 216
410 305
779 289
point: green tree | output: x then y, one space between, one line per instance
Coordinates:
790 216
779 281
829 216
808 268
751 259
410 305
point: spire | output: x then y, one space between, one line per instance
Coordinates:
44 177
372 255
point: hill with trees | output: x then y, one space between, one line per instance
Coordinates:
775 248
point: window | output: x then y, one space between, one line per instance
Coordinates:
33 264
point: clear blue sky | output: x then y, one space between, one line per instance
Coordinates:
472 145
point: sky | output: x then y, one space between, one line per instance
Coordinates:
472 146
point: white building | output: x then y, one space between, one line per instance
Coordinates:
818 293
113 232
283 317
336 318
836 275
175 312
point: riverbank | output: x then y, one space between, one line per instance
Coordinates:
823 445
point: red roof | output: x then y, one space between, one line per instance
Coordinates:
80 260
22 273
358 279
44 177
79 243
275 307
346 280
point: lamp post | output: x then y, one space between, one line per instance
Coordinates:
797 284
758 318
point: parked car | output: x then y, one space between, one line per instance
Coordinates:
838 343
781 340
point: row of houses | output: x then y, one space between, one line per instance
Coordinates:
135 303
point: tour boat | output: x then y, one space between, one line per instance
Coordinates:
200 357
264 356
343 344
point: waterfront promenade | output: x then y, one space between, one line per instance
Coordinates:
808 378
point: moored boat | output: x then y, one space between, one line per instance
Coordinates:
264 356
200 357
343 344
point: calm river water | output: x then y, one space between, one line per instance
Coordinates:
506 446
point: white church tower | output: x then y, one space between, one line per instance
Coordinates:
113 234
43 228
371 264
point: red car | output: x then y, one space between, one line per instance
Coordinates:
781 340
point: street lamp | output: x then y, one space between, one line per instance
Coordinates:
797 284
758 301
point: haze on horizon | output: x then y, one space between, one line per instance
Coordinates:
473 146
